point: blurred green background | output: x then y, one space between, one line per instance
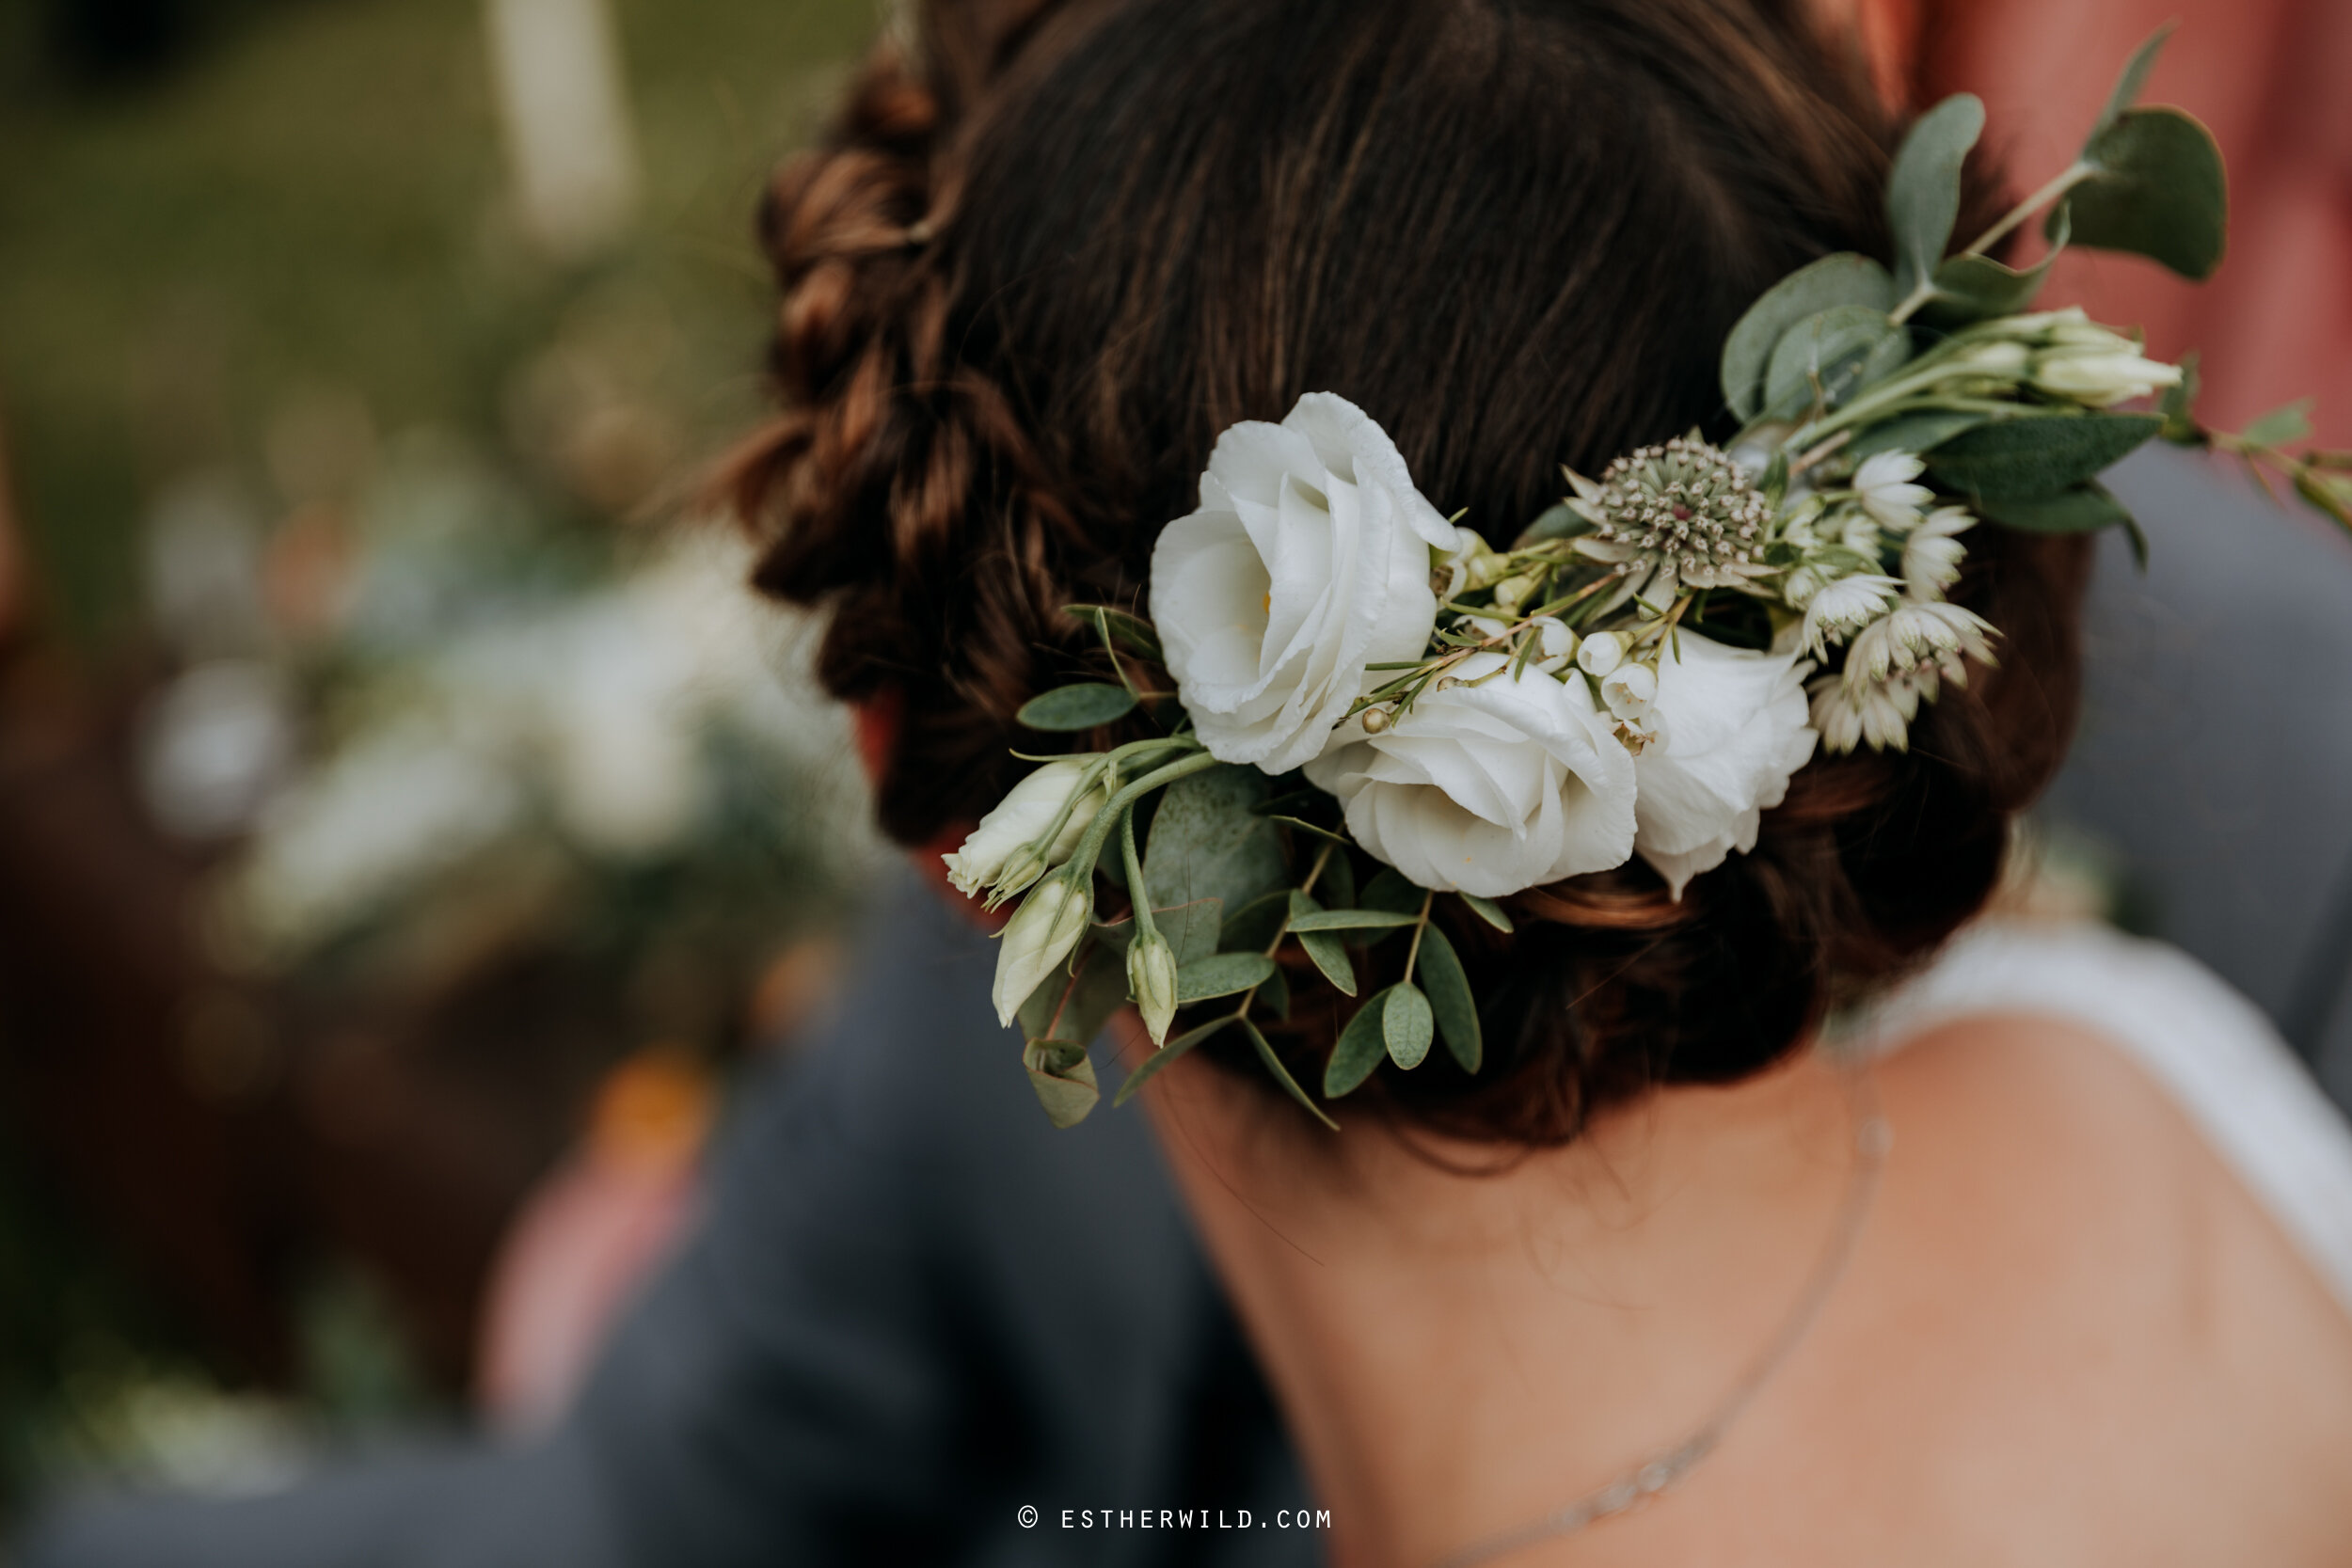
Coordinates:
370 854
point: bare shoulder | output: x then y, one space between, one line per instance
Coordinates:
2120 1279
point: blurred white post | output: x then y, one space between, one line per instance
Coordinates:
570 145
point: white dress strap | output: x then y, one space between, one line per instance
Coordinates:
2215 1054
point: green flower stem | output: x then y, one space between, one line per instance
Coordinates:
2068 178
1413 953
1089 849
1138 895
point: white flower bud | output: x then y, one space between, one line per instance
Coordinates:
999 857
1629 690
1038 937
1152 981
2100 378
1600 653
1556 644
1996 358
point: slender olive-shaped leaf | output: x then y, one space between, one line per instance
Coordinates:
1274 996
1077 708
2085 509
1078 998
1977 288
1359 1051
1337 885
1167 1054
2134 77
1208 843
1488 910
2017 460
1449 999
2156 189
1191 929
1554 522
1923 431
1221 975
1828 356
1283 1074
1844 278
1352 920
1310 828
1923 190
2281 426
1063 1077
1405 1024
1252 928
1131 632
1323 948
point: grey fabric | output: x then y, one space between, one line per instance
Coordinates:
913 1308
2215 748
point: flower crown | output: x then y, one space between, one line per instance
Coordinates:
1640 674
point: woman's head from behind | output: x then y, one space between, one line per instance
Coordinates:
1053 249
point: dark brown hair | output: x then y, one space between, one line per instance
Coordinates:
1049 251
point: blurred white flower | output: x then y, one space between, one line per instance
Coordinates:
1837 609
212 746
1919 632
1883 486
1848 713
1932 553
1308 558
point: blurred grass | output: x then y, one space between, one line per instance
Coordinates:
316 198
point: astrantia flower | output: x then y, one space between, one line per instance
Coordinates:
1730 730
1677 516
1487 786
1848 713
1920 633
1883 486
1931 553
997 858
1308 558
1838 610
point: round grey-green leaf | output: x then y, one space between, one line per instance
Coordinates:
1831 355
1844 278
1406 1025
2157 189
1923 190
1077 708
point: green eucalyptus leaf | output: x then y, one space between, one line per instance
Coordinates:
1191 929
1555 522
1274 994
1449 999
1353 920
1063 1077
1131 632
1283 1074
1254 924
2135 77
2085 509
1977 288
1078 998
1923 191
1207 843
1323 948
2027 459
1167 1054
1390 891
1405 1024
1921 430
1221 975
1830 355
1844 278
1488 910
1077 708
1361 1046
2281 426
2157 188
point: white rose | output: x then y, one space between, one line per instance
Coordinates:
1731 727
991 860
1488 788
1308 560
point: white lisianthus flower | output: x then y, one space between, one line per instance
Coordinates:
1488 788
1308 560
996 859
1931 553
1883 486
1730 728
1837 609
1037 940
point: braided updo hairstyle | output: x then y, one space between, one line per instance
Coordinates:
1051 249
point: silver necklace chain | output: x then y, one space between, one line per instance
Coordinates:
1872 1139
